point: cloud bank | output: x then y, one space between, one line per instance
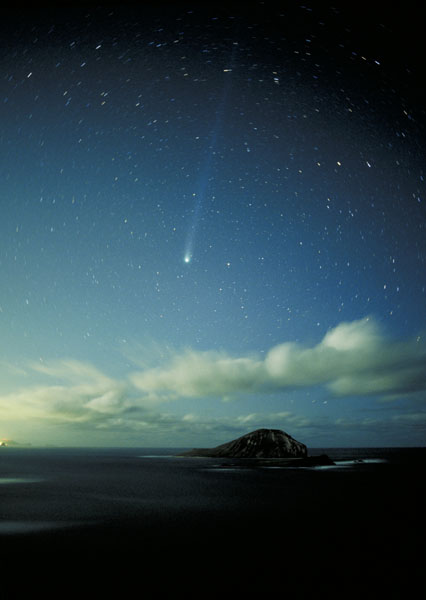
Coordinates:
354 358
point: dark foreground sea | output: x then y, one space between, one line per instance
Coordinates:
140 522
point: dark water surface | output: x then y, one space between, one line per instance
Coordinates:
103 520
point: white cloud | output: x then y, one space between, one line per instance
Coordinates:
202 374
79 393
352 359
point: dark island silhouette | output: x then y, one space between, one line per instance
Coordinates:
264 446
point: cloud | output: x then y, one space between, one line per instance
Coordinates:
80 392
202 374
354 358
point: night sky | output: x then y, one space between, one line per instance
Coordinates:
212 219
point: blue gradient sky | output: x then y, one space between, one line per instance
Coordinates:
282 150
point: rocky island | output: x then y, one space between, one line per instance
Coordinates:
264 446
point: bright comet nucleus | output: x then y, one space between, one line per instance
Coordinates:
187 258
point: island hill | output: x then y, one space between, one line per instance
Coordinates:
271 446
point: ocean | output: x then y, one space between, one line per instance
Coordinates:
103 520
